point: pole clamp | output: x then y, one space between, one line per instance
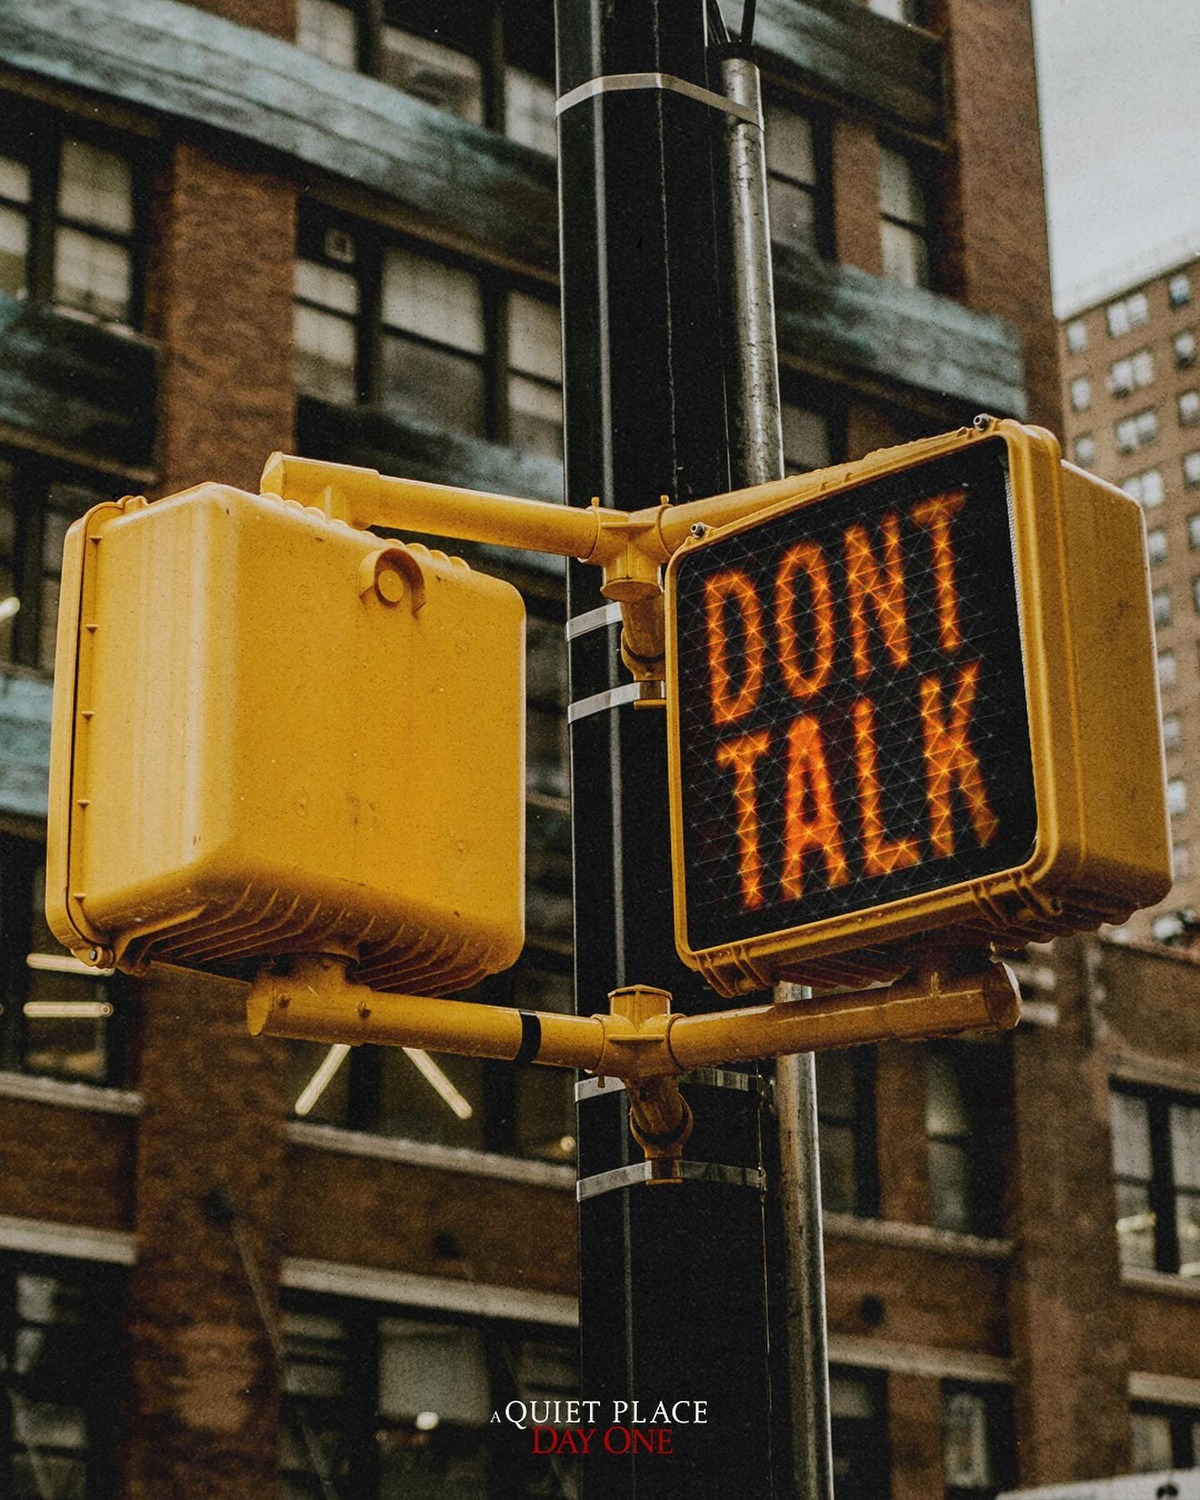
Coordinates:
617 83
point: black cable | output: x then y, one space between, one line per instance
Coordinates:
716 23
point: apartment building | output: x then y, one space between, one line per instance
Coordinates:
1132 415
228 1267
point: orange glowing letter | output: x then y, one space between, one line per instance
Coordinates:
806 557
882 588
880 855
733 587
935 515
949 758
810 818
741 756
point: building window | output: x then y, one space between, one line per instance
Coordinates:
379 1402
1177 800
910 11
59 1017
1077 336
328 31
534 375
1156 544
530 114
1179 289
432 342
1132 373
68 221
1156 1164
1081 393
1166 669
424 339
1136 431
1161 602
797 178
846 1115
1184 346
962 1119
1146 488
38 502
57 1334
1085 450
858 1418
1126 314
807 439
1196 594
1189 407
977 1441
490 64
1191 469
1171 732
1181 861
1193 525
1165 1437
445 1099
904 219
441 75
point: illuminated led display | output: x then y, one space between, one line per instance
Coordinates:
850 724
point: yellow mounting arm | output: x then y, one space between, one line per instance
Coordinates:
629 546
640 1041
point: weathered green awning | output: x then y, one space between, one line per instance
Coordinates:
836 319
87 388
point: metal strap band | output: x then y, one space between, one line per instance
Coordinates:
716 1078
592 1088
531 1037
622 82
629 692
688 1171
595 619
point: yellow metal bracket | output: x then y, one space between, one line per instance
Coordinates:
630 547
641 1041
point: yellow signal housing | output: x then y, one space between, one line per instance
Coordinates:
276 734
917 698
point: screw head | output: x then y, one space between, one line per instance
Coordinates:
698 529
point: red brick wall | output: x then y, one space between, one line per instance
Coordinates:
66 1165
276 16
509 1234
221 303
994 230
903 1142
202 1412
856 195
1069 1322
915 1422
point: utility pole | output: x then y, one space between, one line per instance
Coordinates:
674 1290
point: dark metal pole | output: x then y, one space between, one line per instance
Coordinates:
672 1277
752 373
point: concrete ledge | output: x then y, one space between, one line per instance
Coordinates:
62 1095
404 1289
541 1174
920 1359
72 1241
916 1237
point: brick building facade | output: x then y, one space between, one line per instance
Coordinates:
224 1270
1131 409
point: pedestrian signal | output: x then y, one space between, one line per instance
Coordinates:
921 700
277 734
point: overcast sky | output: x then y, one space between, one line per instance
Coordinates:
1120 98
